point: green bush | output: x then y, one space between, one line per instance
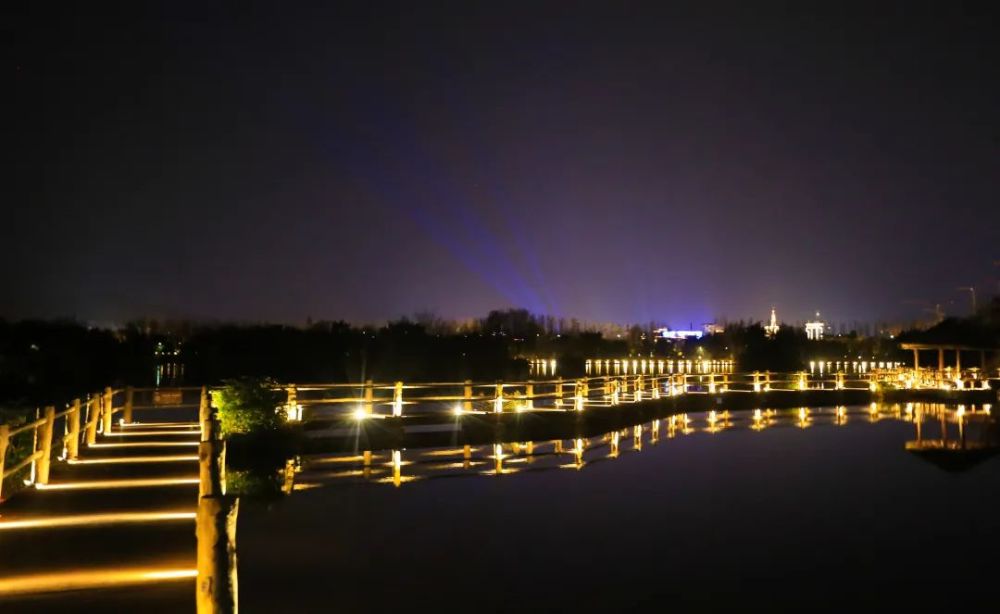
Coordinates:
255 484
249 406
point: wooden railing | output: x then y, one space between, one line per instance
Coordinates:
80 422
325 401
84 418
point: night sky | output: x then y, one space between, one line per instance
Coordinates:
611 162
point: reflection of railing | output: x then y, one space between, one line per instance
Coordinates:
325 401
80 422
501 458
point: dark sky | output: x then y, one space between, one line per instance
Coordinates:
616 161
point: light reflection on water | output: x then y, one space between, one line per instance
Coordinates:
949 426
840 507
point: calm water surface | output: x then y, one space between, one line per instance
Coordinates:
791 518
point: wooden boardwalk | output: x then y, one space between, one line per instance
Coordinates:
113 530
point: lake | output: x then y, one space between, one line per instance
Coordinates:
807 514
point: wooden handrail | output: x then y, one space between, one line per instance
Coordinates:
27 427
34 456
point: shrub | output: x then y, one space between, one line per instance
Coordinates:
255 484
249 406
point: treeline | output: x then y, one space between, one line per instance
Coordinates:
981 330
47 361
50 361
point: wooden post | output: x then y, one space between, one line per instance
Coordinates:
4 443
95 412
129 397
73 443
211 463
559 392
369 404
204 411
467 395
397 400
45 462
529 395
108 409
498 399
217 587
292 404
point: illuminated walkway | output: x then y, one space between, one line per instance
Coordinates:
117 519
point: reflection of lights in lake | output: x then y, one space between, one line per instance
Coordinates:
527 455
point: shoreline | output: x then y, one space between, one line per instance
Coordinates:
431 430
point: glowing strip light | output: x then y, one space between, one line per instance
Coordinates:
76 580
116 460
143 444
161 425
118 484
150 433
93 519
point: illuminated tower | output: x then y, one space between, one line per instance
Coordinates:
772 328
